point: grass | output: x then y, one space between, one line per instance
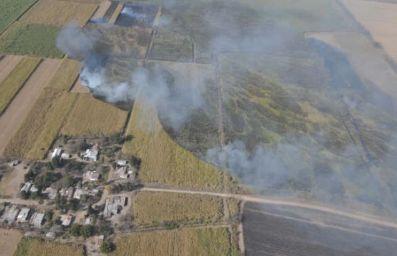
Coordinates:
59 13
30 39
164 161
200 241
154 208
37 247
15 80
66 75
92 117
172 47
10 10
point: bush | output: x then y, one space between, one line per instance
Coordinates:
107 247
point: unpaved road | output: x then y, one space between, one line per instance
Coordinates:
19 108
7 64
281 202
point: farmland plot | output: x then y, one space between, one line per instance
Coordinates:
200 241
151 209
7 64
36 247
9 240
10 10
59 13
92 117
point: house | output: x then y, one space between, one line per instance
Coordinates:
68 193
23 215
33 189
91 154
114 205
10 214
79 192
26 187
66 220
37 219
66 156
56 153
88 221
50 192
91 176
121 163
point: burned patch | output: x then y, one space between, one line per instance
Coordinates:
137 15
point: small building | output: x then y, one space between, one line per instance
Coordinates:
79 192
91 154
26 187
23 215
37 219
56 153
50 235
66 220
33 189
125 172
114 205
14 163
66 156
50 192
68 193
10 214
88 221
121 163
91 176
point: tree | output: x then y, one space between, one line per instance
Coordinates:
107 247
76 230
87 231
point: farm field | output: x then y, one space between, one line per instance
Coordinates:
11 10
172 47
59 13
7 64
92 117
65 76
380 19
9 240
15 80
24 101
79 88
164 161
198 241
102 9
30 39
36 247
155 208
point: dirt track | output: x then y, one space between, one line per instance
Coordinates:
19 108
7 64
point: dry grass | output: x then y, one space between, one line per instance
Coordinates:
205 241
9 240
164 161
59 13
41 126
92 117
36 247
154 208
66 75
15 80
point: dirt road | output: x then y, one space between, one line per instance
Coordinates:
281 202
19 108
7 64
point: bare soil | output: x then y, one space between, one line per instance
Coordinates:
19 108
9 240
7 64
10 184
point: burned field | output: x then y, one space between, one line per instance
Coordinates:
271 232
137 14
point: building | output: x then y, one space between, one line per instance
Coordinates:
91 154
56 153
66 156
91 176
125 172
50 192
68 193
79 192
121 163
114 205
23 215
37 219
66 220
10 214
33 189
26 187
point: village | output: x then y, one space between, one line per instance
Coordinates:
76 191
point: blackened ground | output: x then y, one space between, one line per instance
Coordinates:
267 233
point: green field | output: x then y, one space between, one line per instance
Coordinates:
15 80
30 39
11 10
181 242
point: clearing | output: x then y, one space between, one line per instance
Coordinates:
19 108
9 239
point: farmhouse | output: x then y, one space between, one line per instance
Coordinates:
56 153
79 192
37 219
91 154
91 176
10 213
23 215
50 192
26 187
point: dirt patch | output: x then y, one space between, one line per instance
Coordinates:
7 64
18 109
9 185
9 240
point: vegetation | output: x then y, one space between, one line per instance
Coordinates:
82 230
199 241
92 117
10 10
164 161
37 247
66 75
152 208
59 13
107 247
15 80
172 46
30 39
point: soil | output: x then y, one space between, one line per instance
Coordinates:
9 240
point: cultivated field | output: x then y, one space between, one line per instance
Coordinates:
66 75
15 80
92 117
200 241
156 208
11 10
30 39
9 240
59 13
7 64
380 19
164 161
36 247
